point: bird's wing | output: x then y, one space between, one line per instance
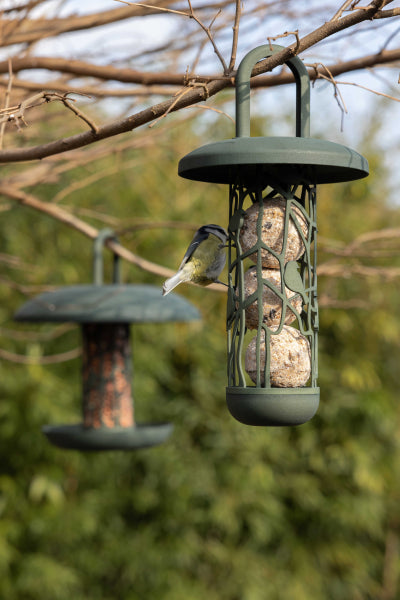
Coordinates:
198 238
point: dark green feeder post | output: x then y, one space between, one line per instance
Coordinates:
272 378
105 313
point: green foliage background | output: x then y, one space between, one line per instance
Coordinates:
221 511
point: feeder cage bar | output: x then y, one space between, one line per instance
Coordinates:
300 279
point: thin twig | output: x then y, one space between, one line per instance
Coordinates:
160 8
235 37
65 217
207 31
79 113
92 91
17 113
214 86
341 10
86 181
179 96
390 565
91 232
390 233
328 302
337 93
6 100
38 336
286 34
373 4
25 290
389 39
40 360
15 262
191 15
363 87
220 112
343 271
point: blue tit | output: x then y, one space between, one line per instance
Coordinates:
204 259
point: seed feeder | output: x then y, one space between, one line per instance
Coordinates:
272 310
105 313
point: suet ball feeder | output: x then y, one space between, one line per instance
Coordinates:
272 224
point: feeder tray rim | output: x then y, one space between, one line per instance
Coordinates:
107 303
280 391
272 407
320 161
78 437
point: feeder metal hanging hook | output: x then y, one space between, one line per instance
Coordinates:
98 263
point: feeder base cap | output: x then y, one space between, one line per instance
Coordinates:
78 437
272 407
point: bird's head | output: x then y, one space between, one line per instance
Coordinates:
216 230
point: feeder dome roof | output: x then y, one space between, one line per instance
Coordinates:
293 160
113 303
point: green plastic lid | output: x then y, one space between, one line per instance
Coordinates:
291 160
295 160
113 303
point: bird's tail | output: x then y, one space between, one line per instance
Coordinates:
171 283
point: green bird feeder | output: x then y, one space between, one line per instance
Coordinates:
272 309
105 313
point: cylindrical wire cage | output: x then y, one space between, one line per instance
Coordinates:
278 302
299 277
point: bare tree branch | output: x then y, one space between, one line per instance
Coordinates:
364 87
341 10
38 29
326 30
191 15
62 215
38 336
116 128
40 360
235 36
84 69
192 96
6 101
91 90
